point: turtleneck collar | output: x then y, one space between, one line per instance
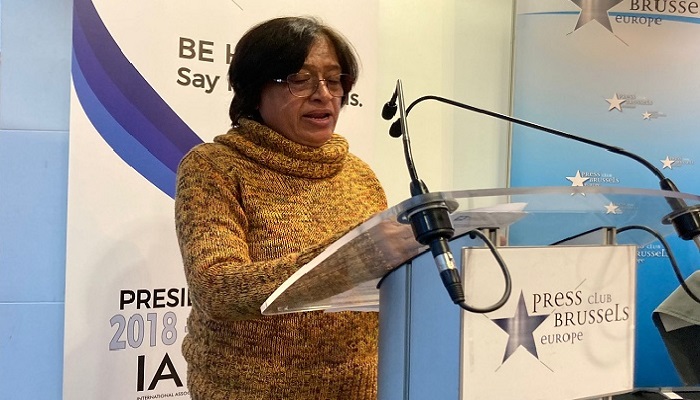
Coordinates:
274 151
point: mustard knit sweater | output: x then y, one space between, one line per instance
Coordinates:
250 209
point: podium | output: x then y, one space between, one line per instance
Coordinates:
568 328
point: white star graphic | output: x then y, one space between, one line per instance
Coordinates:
578 179
615 103
612 209
668 163
646 115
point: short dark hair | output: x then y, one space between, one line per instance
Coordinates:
274 49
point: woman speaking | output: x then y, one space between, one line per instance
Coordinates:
260 201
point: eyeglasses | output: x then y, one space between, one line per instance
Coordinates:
303 84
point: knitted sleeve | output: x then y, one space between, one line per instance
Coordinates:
211 229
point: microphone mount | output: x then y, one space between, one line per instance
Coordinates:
430 219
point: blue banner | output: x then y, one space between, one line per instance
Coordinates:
623 73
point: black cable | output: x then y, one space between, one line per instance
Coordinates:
506 278
671 257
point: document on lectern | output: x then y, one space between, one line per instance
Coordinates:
567 331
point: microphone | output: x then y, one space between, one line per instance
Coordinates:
685 219
395 130
430 219
388 112
389 109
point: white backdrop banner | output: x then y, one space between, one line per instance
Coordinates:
149 82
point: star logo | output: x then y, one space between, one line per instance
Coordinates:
520 329
577 180
646 115
595 10
668 163
615 103
612 209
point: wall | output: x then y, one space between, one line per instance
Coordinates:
456 49
34 92
459 49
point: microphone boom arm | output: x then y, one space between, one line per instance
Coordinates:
613 149
685 219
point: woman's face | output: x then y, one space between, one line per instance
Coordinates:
306 120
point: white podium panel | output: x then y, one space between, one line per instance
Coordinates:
567 331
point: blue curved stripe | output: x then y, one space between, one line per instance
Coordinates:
126 111
665 17
125 145
111 96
